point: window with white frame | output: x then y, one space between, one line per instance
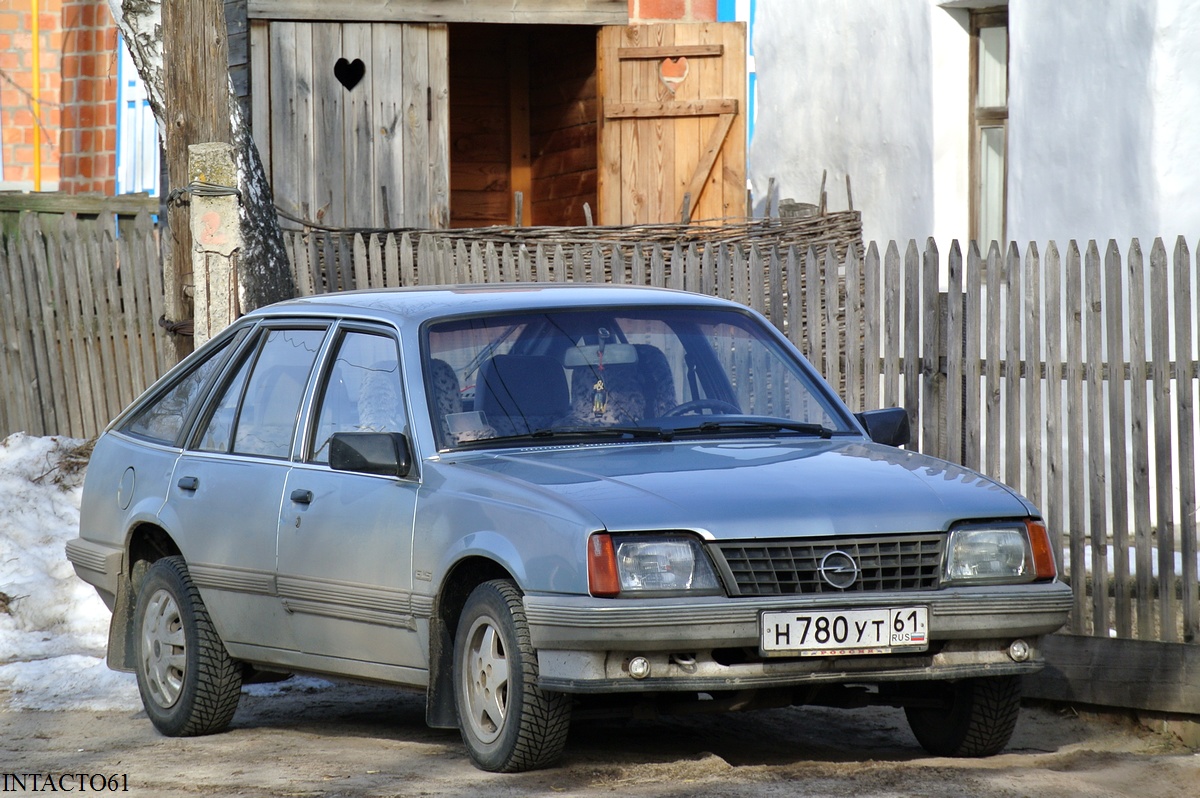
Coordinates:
989 124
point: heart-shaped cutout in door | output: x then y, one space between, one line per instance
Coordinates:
349 73
673 71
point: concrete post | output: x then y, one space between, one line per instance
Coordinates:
216 237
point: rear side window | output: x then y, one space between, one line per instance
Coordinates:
258 408
163 420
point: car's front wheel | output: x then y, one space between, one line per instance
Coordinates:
508 724
975 717
188 682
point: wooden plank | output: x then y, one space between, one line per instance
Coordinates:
911 351
669 108
1118 458
1133 674
80 204
795 282
415 127
674 51
33 355
11 344
1033 376
953 418
438 37
814 338
1186 372
71 370
388 199
561 12
972 370
731 165
1097 474
54 391
1075 410
376 277
708 157
260 90
992 357
1052 510
362 266
122 369
132 318
687 134
291 105
1013 414
1139 442
833 345
1164 523
892 324
362 200
871 327
609 135
933 384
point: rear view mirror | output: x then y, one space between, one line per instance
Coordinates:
383 453
592 355
888 426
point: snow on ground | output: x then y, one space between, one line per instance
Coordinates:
53 635
53 625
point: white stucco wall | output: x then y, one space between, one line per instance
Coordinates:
846 87
1102 136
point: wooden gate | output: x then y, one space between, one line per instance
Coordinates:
354 130
673 131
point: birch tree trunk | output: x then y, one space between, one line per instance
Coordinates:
180 51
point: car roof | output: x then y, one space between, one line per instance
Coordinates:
419 304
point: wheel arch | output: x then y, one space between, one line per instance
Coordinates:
463 577
146 544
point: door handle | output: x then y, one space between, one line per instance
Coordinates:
302 496
189 483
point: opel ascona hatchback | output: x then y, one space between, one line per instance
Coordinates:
537 499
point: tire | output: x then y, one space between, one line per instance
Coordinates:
189 684
977 718
508 724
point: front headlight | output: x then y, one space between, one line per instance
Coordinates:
989 554
643 565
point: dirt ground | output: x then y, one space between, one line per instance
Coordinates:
351 740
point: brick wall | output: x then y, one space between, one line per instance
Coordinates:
672 10
17 123
77 122
88 138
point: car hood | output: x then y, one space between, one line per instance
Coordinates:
742 489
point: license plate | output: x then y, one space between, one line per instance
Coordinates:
842 632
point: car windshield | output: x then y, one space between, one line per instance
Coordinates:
623 373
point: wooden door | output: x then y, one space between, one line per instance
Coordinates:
672 129
352 121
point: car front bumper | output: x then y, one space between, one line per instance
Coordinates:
585 644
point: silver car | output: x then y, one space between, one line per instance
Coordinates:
534 499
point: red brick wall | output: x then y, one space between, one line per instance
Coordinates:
672 10
77 122
89 96
16 90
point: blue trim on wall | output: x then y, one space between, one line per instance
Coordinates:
726 10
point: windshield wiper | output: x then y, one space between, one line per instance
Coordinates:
757 424
546 433
606 431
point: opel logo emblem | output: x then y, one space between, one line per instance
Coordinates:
838 569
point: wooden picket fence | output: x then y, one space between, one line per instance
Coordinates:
79 301
1069 390
1069 374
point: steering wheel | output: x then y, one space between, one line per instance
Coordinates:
699 405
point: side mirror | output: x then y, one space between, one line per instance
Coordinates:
383 453
888 426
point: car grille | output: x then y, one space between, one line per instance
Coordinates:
787 567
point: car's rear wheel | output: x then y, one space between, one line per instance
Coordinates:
188 682
976 717
508 724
